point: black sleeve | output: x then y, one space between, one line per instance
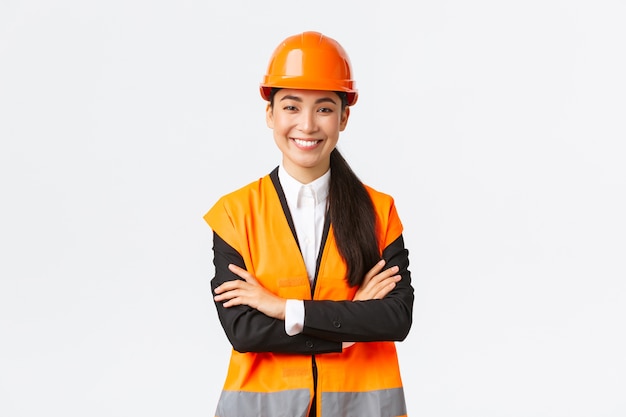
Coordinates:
249 330
387 319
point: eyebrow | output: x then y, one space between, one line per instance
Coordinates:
319 100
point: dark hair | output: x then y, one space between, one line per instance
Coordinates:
351 214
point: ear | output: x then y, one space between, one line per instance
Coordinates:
344 119
269 116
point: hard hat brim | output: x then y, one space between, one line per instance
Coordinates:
293 83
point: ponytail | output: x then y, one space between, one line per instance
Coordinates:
353 219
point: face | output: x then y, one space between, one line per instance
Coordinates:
306 126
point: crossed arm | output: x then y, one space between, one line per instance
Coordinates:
252 316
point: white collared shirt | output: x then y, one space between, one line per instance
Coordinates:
307 204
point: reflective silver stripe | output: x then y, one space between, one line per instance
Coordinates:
289 403
381 403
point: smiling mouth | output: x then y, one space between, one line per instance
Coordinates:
305 143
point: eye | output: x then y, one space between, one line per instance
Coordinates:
290 108
325 110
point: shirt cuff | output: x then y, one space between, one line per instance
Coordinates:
346 345
294 317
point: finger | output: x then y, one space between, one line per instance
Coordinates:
374 271
233 302
385 290
236 301
229 286
386 286
242 273
227 295
387 273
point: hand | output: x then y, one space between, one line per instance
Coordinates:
249 292
377 284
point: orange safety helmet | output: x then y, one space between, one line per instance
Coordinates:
310 61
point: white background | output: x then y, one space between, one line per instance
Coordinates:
497 126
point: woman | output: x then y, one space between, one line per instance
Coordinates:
311 281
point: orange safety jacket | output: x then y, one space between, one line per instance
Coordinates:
272 374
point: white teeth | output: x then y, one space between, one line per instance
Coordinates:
306 143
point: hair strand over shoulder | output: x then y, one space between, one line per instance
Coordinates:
353 219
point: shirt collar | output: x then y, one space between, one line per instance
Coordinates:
293 187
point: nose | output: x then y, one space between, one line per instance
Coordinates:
307 122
